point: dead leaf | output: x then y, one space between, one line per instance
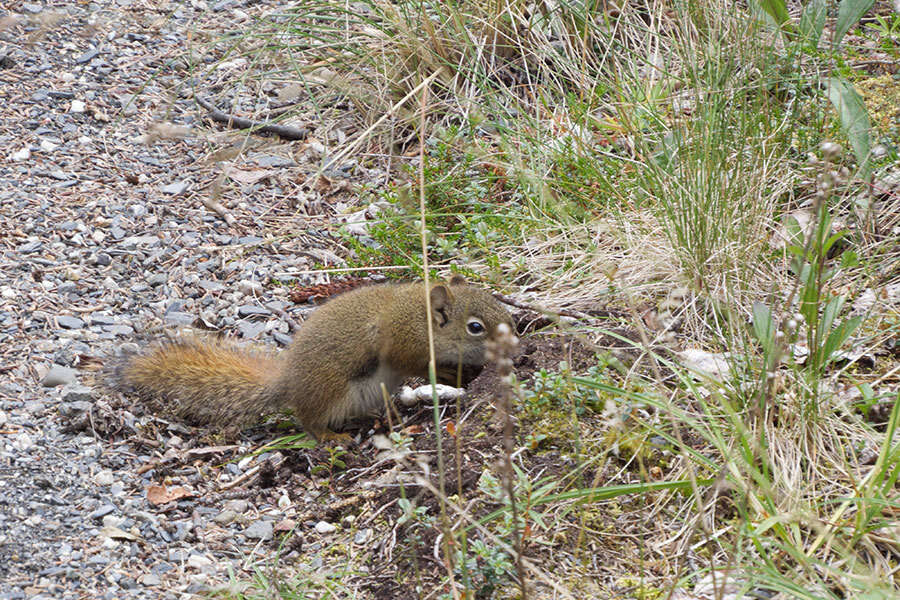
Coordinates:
285 525
210 450
160 494
289 93
7 22
711 364
248 176
118 534
99 115
166 130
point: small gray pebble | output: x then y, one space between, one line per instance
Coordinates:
72 410
251 329
29 247
225 517
97 319
211 286
260 530
282 339
324 527
362 536
87 56
22 442
175 188
101 512
77 393
68 322
179 318
238 506
122 330
248 287
58 375
248 310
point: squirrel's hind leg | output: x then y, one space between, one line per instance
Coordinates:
324 434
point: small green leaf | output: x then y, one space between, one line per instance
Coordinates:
830 241
837 337
832 310
849 259
854 119
764 326
849 13
812 21
866 391
777 9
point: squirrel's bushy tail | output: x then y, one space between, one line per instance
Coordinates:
209 382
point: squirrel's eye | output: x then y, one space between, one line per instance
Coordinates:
475 326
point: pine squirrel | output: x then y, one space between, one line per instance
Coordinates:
336 365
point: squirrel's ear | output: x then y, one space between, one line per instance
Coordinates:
458 279
440 302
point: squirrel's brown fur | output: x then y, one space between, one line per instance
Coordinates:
343 359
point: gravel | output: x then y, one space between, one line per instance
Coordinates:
106 244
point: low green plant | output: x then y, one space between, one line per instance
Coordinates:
555 390
886 33
334 463
484 568
818 311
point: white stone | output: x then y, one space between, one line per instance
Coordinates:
198 561
104 477
23 442
23 154
324 527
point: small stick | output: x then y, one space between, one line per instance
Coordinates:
544 311
283 131
215 206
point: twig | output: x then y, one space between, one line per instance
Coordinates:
216 206
291 323
544 311
251 473
283 131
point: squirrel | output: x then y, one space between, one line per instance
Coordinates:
343 356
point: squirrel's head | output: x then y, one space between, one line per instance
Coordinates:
465 318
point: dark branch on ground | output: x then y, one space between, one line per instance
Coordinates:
283 131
